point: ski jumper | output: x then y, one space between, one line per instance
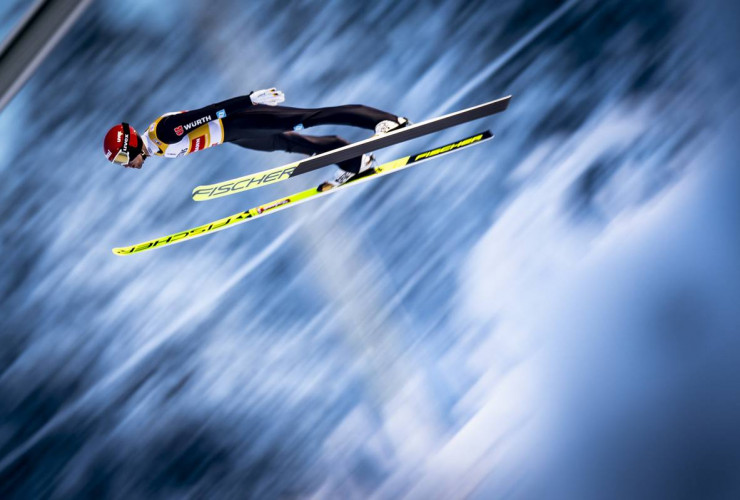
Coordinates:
257 126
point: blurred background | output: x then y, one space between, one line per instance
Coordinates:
551 315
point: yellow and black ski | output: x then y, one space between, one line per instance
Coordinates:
309 194
284 172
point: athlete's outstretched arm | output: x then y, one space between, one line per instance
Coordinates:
169 126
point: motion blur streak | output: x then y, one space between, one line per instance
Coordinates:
507 56
153 344
562 327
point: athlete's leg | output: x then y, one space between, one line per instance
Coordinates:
309 144
261 142
293 142
283 118
354 115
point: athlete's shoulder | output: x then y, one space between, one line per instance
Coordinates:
167 128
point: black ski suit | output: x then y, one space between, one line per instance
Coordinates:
272 128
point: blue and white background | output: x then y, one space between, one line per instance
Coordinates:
551 315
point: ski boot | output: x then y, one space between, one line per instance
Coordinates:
342 176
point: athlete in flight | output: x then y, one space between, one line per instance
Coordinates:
254 121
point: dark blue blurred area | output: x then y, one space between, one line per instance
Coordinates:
11 13
550 315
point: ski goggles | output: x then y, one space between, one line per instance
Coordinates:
121 158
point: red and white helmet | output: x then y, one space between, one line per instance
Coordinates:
122 144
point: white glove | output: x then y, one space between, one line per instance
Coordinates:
271 97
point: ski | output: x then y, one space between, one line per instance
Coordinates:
303 196
266 177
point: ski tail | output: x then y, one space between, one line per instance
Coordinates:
303 196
